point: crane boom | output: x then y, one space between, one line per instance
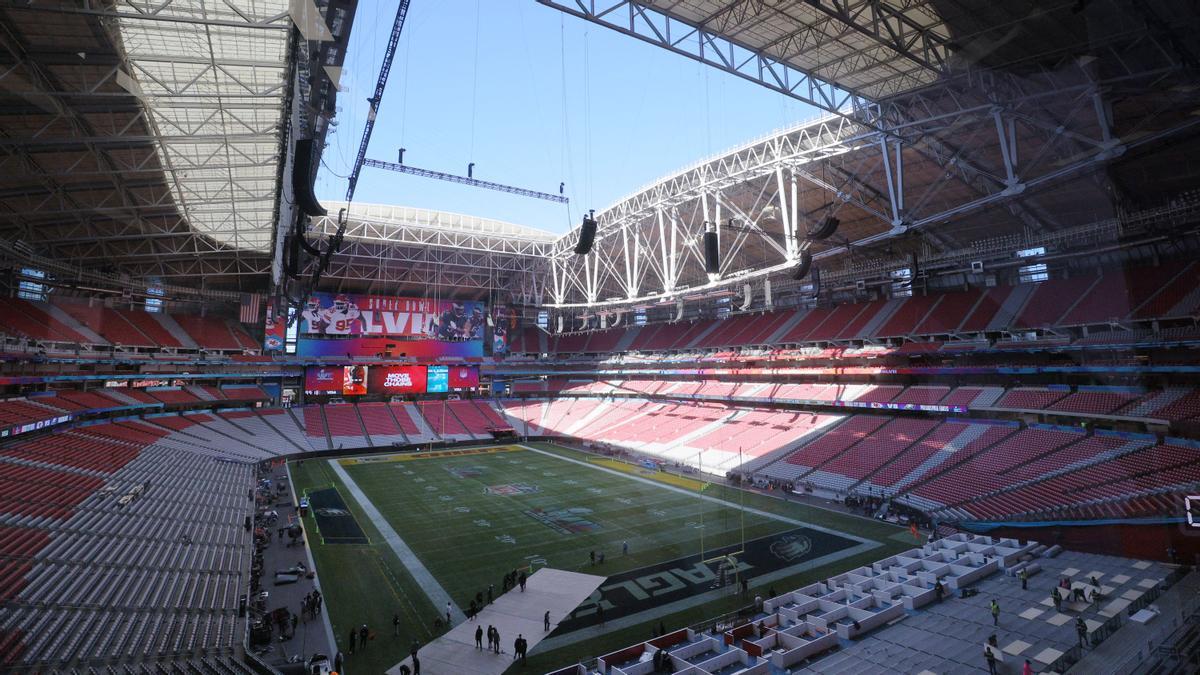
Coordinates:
384 70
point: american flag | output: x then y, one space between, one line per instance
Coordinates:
251 308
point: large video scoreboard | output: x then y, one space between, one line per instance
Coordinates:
351 324
388 380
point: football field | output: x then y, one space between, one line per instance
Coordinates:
446 524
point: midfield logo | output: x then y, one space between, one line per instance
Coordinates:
791 547
511 489
565 521
465 471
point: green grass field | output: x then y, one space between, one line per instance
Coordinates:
470 518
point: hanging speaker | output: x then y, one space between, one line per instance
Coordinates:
804 266
824 229
304 172
712 250
587 235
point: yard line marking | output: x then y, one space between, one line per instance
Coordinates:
667 486
433 590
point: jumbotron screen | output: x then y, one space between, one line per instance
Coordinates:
389 380
368 325
392 380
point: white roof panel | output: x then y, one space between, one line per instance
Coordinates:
215 90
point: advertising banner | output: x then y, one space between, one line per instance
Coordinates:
34 426
274 328
437 379
504 324
396 347
324 380
464 378
348 324
354 380
391 380
351 315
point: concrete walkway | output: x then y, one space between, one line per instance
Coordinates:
514 613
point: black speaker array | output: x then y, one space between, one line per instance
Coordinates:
712 252
304 172
587 235
804 266
824 229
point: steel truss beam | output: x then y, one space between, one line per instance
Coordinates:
804 144
435 229
708 46
464 180
660 226
137 11
969 125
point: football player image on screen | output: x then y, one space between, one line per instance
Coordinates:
499 339
354 382
342 318
313 315
476 323
452 324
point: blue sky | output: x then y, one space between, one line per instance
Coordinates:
633 112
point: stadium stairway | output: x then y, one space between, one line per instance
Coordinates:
587 418
201 393
312 429
469 418
990 436
243 427
762 463
343 426
490 413
627 338
969 433
425 433
893 439
1089 451
284 424
997 465
681 443
171 326
442 420
379 425
516 423
1114 449
220 431
1152 402
121 397
58 314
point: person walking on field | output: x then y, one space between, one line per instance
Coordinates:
396 625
